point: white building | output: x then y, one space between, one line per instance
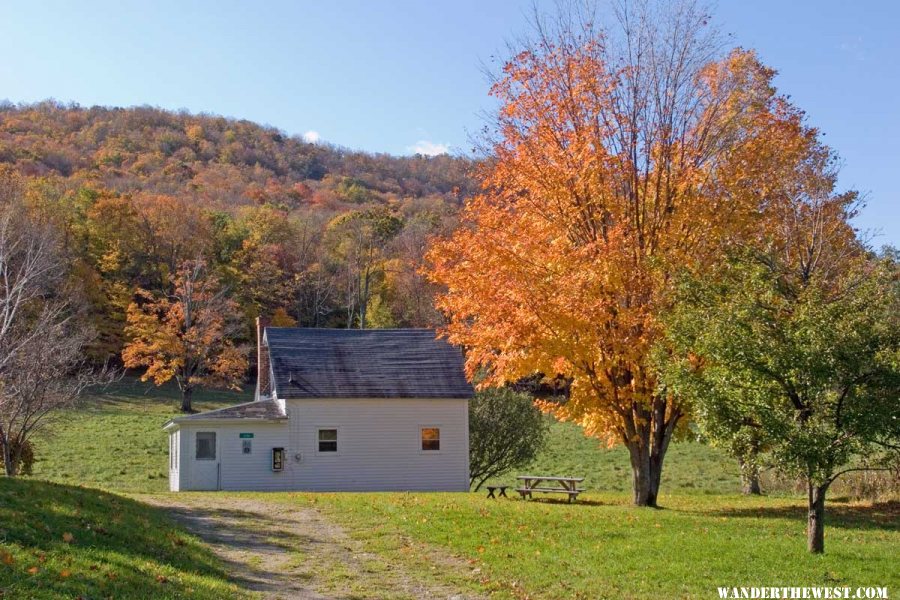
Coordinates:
336 409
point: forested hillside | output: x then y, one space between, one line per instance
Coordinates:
307 233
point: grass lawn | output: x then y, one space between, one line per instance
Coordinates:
115 440
689 467
706 536
59 541
604 548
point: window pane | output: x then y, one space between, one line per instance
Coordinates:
278 459
328 440
206 445
431 438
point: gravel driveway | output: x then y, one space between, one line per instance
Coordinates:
287 552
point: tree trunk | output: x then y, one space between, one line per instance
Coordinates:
364 300
749 478
646 474
656 465
649 432
9 468
10 464
815 528
640 474
186 393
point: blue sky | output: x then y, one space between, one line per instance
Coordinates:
397 76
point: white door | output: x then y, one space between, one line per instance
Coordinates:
206 460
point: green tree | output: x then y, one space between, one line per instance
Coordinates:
803 360
506 430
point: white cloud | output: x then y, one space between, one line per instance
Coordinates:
311 136
855 47
428 148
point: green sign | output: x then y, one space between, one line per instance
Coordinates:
245 435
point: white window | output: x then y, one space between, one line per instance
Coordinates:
328 439
431 439
206 445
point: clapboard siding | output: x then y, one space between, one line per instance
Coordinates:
241 471
236 470
379 447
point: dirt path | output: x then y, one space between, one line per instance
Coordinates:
286 552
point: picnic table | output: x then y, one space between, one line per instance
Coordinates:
550 485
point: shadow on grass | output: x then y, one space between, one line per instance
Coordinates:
879 516
882 515
131 390
580 502
109 543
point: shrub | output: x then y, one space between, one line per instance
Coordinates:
506 430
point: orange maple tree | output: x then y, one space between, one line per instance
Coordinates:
619 156
186 335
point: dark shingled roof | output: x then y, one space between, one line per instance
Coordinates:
261 410
368 363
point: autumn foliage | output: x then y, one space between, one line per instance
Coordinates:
136 192
187 335
621 154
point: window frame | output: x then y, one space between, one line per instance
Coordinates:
421 441
215 443
278 450
337 439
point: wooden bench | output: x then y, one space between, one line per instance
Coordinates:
541 484
493 488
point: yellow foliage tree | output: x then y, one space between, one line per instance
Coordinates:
620 154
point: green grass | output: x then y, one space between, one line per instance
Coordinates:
706 535
689 467
115 441
604 548
60 541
